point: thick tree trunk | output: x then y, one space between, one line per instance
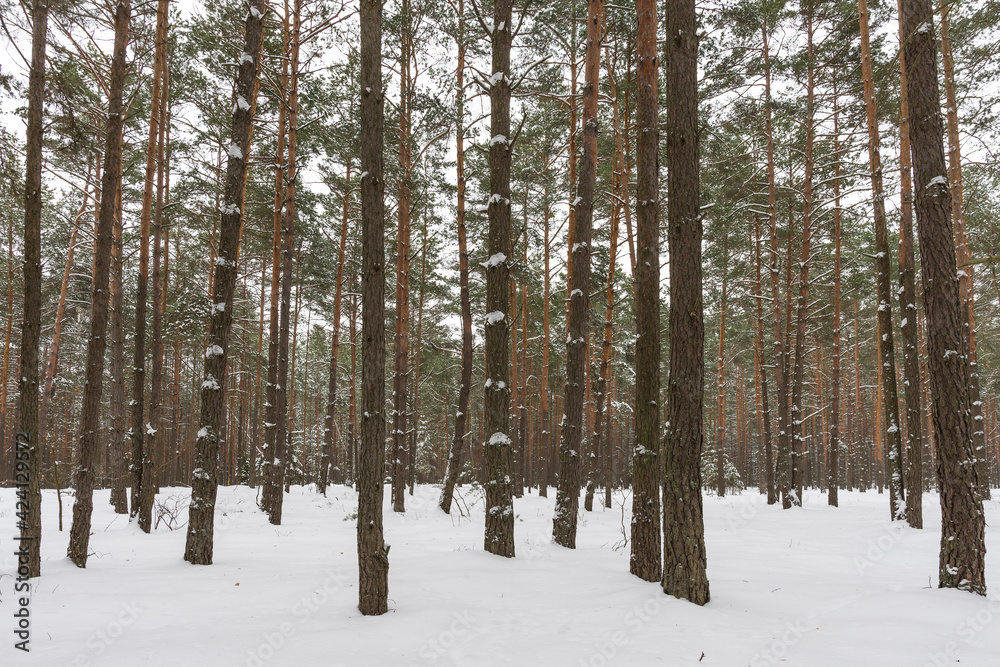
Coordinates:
499 536
204 478
645 561
572 442
683 524
412 458
908 306
454 465
373 554
965 272
883 268
28 446
86 463
963 549
545 419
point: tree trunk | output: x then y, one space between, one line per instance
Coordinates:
331 403
571 441
28 445
499 536
962 546
276 481
152 451
908 306
965 272
373 554
683 524
94 375
401 346
780 372
720 419
802 307
833 459
883 268
269 456
645 560
142 505
768 462
454 465
411 473
204 478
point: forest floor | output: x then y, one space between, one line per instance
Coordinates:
812 586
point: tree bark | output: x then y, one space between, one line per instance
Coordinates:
373 554
204 478
683 524
833 458
571 442
499 535
401 346
768 461
94 375
28 447
962 545
883 268
454 465
908 306
965 272
644 561
331 403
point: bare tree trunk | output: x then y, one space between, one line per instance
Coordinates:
153 450
499 535
373 554
119 445
802 306
28 446
683 524
411 474
94 375
720 419
965 272
331 403
204 478
571 442
833 461
767 464
645 560
908 306
142 505
963 549
402 341
276 482
454 465
545 419
883 268
271 446
780 372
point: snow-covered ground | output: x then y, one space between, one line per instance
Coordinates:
813 586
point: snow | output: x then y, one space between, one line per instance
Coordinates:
245 58
235 151
575 292
494 317
937 180
213 351
256 12
495 260
203 432
499 439
498 139
924 27
810 587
